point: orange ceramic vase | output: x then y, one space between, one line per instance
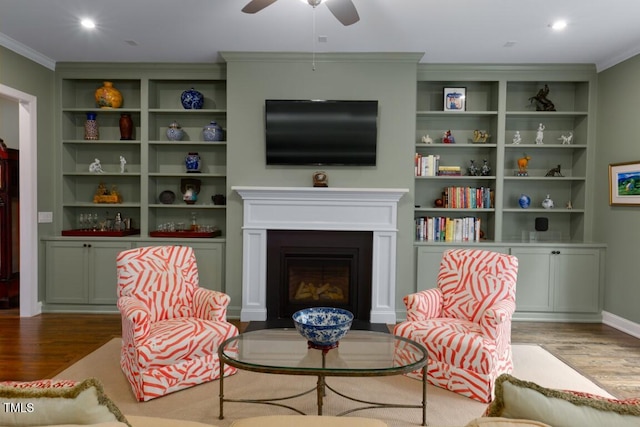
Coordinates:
108 96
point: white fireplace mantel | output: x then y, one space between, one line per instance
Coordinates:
320 208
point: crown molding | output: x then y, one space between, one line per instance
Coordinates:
27 52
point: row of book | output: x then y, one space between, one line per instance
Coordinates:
430 166
467 197
445 229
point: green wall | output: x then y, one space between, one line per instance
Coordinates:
252 78
617 226
29 77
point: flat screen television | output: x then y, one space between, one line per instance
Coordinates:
321 132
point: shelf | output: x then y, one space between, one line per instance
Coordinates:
92 233
185 234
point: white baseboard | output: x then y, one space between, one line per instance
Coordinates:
621 324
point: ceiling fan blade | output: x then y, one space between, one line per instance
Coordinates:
257 5
344 11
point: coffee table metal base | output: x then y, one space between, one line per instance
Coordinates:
321 390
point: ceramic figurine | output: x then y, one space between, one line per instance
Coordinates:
547 203
523 163
123 162
566 139
448 138
427 139
554 171
540 134
480 136
96 167
517 139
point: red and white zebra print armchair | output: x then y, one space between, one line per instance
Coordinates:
171 327
465 322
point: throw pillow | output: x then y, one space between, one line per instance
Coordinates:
54 402
515 398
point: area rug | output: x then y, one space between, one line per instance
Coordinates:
201 403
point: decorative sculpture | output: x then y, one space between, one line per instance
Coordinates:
123 162
517 139
427 139
554 171
566 139
540 134
542 102
523 163
480 136
95 167
448 138
472 170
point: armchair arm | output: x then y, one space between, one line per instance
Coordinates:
135 319
210 305
496 320
423 305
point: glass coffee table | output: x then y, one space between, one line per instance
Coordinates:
359 354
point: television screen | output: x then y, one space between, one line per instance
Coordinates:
320 132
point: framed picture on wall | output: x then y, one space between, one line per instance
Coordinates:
455 99
624 184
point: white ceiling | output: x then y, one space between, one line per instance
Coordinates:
453 31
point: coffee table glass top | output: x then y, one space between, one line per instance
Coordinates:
358 353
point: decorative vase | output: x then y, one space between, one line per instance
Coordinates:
192 162
91 127
108 96
175 132
212 132
547 203
126 127
524 201
192 99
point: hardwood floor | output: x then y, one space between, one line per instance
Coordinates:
41 346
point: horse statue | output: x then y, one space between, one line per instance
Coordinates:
541 100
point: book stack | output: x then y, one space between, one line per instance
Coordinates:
467 197
446 229
449 171
426 165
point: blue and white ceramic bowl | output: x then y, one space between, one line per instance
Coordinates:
323 326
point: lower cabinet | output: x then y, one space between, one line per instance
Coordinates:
82 272
562 283
209 257
559 280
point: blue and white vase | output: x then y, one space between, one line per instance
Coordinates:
524 201
212 132
192 99
192 162
175 132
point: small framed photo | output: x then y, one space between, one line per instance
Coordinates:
624 184
455 98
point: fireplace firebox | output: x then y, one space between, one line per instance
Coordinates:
307 268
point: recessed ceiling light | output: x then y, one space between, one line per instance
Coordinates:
559 25
88 23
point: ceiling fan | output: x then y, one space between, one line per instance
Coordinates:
343 10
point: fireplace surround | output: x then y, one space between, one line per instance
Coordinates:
309 208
